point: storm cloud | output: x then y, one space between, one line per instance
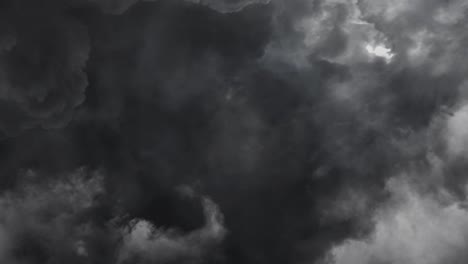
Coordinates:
233 131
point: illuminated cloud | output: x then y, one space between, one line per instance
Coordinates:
380 51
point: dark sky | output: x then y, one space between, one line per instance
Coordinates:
233 132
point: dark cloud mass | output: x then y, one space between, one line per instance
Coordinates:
233 131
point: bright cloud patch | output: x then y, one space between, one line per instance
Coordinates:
413 229
380 51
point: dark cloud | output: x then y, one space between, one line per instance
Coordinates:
42 67
232 131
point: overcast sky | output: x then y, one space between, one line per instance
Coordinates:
233 131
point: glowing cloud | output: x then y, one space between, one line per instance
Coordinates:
380 51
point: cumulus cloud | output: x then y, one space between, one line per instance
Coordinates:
55 220
412 228
457 132
425 218
43 220
145 243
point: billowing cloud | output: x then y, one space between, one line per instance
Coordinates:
291 117
56 221
145 243
46 221
412 227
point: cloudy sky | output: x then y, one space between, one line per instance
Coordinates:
233 131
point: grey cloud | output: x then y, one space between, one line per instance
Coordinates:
223 6
421 33
411 228
425 219
228 6
41 220
145 243
112 6
54 220
42 69
276 110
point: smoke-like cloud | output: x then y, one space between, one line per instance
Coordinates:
144 243
47 221
411 228
294 118
42 67
56 221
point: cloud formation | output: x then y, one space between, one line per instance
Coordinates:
412 228
144 243
307 131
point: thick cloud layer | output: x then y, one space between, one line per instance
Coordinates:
412 228
145 244
58 221
233 131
